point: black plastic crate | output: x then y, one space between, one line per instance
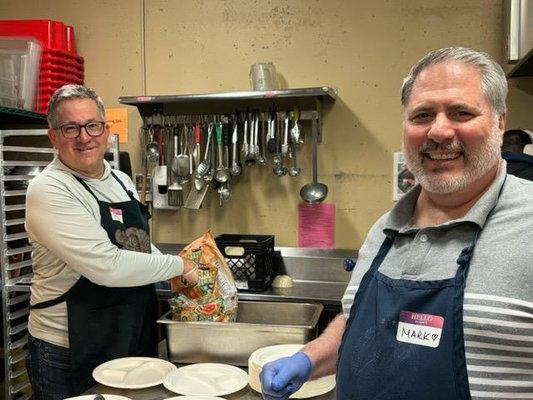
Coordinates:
251 259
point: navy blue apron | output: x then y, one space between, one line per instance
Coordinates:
374 364
109 322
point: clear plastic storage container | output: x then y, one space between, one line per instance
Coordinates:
19 71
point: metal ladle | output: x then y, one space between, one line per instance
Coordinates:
314 192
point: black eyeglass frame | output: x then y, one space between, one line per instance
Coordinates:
101 123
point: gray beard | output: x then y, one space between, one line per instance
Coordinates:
477 163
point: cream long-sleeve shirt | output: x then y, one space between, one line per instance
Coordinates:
63 224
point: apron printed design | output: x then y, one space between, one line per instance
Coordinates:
133 239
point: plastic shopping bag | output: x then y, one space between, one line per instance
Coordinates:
214 298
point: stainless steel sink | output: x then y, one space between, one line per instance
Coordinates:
258 324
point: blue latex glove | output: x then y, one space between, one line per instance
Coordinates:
283 377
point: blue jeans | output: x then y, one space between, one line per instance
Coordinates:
49 370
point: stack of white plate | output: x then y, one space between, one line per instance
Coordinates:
270 353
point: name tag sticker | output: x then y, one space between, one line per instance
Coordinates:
421 329
116 214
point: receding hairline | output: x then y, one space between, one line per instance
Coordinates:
454 63
493 81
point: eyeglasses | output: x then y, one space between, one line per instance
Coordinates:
72 131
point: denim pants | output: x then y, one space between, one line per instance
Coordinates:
49 370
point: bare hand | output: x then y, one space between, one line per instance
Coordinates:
190 273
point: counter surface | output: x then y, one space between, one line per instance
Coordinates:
159 393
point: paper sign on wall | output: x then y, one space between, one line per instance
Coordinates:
117 118
316 225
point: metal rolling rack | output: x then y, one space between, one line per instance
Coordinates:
24 151
17 151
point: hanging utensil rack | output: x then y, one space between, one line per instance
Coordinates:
190 108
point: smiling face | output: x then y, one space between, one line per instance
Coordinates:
84 154
451 136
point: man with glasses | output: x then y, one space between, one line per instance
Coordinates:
92 294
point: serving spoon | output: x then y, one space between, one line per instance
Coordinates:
314 192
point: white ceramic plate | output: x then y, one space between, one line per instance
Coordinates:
270 353
106 396
133 372
206 379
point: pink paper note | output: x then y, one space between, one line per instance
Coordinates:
316 225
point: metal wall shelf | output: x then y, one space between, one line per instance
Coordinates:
227 102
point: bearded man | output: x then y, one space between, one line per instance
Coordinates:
440 304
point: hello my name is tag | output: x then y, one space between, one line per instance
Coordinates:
418 328
116 214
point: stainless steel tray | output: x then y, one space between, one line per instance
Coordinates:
258 324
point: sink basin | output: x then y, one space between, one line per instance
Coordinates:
258 324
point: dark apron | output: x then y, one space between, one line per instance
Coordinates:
108 322
404 339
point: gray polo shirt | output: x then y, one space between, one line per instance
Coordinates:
498 304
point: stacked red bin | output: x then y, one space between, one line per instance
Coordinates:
60 63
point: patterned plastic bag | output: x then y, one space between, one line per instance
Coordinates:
214 298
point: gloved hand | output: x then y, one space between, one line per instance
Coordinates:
283 377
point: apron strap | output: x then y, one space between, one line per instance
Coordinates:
86 187
130 194
49 303
382 253
466 256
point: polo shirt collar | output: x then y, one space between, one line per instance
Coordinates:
400 217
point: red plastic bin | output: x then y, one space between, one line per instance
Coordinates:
62 64
57 76
48 68
52 34
57 84
60 54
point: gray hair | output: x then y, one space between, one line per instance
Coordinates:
70 92
493 80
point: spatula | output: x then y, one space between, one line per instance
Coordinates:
182 159
175 190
